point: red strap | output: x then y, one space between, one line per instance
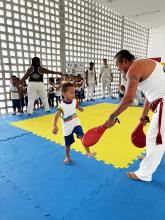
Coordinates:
159 137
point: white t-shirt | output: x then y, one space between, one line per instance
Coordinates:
69 117
91 76
14 92
51 89
58 91
106 71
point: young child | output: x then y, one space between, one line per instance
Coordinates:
36 104
121 91
79 85
15 95
58 91
71 123
24 87
51 92
21 95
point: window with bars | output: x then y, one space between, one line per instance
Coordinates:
32 29
63 31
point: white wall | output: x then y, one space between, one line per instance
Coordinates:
156 46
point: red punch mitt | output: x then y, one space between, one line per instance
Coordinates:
138 136
92 136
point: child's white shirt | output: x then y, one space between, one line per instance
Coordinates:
69 117
14 92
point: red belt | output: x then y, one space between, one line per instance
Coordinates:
153 107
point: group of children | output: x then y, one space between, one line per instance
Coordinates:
19 96
54 89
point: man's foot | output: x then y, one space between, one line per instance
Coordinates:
67 161
92 99
93 154
14 113
103 97
132 175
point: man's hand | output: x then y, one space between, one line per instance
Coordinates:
55 129
110 123
144 119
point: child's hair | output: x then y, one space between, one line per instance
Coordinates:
122 87
51 79
66 86
58 79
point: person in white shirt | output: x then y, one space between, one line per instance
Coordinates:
91 81
70 122
106 77
58 91
51 92
15 95
36 86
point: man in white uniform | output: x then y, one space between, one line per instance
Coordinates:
91 81
148 75
106 77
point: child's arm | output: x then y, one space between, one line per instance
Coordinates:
78 107
56 117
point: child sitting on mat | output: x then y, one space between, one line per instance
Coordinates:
70 122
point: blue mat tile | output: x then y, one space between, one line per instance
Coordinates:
14 206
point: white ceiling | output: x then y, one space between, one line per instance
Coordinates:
151 13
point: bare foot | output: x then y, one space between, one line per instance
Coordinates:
67 161
132 175
91 154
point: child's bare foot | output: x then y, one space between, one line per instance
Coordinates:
132 175
91 154
67 161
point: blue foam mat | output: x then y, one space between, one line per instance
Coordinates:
127 199
10 132
36 185
56 187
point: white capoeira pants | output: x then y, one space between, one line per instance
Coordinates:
106 82
35 89
154 153
90 90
